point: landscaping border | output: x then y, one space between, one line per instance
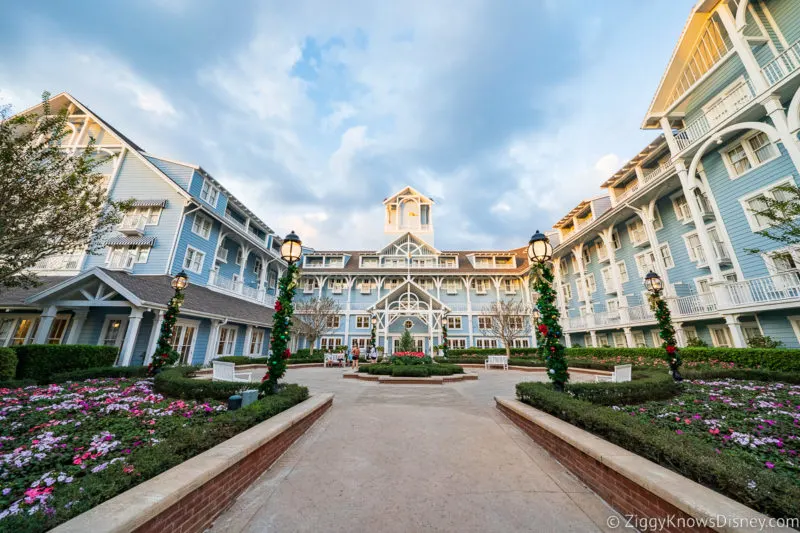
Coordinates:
190 496
432 380
631 484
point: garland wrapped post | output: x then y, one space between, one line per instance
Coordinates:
281 331
667 333
549 331
445 344
373 340
165 354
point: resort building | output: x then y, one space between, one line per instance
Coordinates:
182 219
728 109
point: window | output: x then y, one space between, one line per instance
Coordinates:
457 344
738 160
591 284
6 329
369 262
521 343
756 201
142 253
720 336
763 150
480 285
363 321
566 291
623 271
194 260
681 207
516 322
750 327
209 193
602 339
608 281
365 287
510 286
690 332
484 322
239 256
183 337
310 285
360 342
391 283
336 285
257 342
636 232
587 255
451 286
426 283
619 339
615 240
330 343
752 151
201 226
612 305
694 248
645 262
486 343
332 322
113 332
454 322
57 330
587 340
666 256
654 335
657 222
257 264
638 339
227 341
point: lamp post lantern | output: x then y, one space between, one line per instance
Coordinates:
539 248
291 252
655 285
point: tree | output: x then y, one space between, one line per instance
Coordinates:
52 201
780 213
406 343
507 322
315 316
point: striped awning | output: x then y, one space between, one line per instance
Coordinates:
131 241
149 203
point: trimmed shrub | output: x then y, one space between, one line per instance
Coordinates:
410 371
444 369
8 364
746 374
379 369
177 382
40 361
697 460
483 352
17 383
644 387
100 372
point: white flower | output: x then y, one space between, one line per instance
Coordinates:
552 371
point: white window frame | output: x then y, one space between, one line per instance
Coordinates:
663 258
591 284
333 322
602 340
480 285
698 283
458 343
639 339
567 290
683 215
226 344
258 264
587 340
624 277
58 340
690 332
653 264
654 336
616 242
586 254
365 286
485 342
510 286
764 191
123 328
330 342
451 286
750 154
636 222
177 340
658 224
12 329
361 343
487 320
363 322
727 333
256 342
208 190
453 322
188 266
608 279
199 222
521 342
619 338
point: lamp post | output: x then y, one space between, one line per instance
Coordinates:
655 285
548 329
291 251
165 354
536 316
374 321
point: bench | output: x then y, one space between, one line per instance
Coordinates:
332 359
621 373
227 372
496 360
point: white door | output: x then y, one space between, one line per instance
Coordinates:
113 331
183 336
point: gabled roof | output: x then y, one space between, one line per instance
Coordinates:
409 284
404 191
655 145
403 238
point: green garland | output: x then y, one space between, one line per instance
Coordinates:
549 331
667 333
374 339
281 332
445 344
165 354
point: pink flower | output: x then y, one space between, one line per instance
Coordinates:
769 465
714 431
679 432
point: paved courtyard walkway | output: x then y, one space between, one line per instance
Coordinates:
408 458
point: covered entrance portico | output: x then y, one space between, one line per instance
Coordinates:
411 307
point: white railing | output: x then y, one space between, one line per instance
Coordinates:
132 224
607 318
235 222
619 197
783 65
359 306
640 313
721 251
775 288
222 254
239 288
651 174
576 322
733 101
695 304
121 262
58 262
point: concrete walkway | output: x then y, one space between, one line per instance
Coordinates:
410 458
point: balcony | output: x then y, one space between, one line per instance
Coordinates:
640 313
576 322
783 65
58 262
238 288
626 193
735 100
133 225
652 174
607 318
776 288
695 304
222 254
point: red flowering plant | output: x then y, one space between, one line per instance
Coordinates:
410 358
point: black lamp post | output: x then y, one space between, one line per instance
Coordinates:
291 251
165 354
548 329
655 285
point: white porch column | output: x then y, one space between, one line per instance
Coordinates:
647 216
213 338
593 334
777 113
45 323
629 337
743 49
567 340
248 337
155 333
78 320
736 331
680 335
134 321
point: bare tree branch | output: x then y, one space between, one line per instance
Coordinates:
314 317
509 320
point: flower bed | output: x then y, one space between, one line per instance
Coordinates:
757 421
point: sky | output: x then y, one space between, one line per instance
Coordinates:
506 112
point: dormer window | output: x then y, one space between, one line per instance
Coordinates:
313 261
449 262
369 262
209 193
483 262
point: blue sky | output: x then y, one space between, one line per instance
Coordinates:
507 113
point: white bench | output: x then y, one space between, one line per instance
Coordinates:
496 360
227 372
621 373
331 359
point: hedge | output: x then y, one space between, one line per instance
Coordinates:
417 371
244 360
17 383
176 383
8 364
645 386
181 444
697 460
742 374
100 372
528 361
40 361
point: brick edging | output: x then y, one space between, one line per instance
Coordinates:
176 501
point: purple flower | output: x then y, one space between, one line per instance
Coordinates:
769 465
679 432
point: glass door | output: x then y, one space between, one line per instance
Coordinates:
183 336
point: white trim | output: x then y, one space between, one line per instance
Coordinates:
211 187
674 199
794 321
744 142
233 330
727 332
202 261
201 219
764 191
123 328
660 256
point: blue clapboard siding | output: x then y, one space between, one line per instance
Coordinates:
787 17
208 246
711 87
197 186
180 174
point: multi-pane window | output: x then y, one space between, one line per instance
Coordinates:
645 262
57 330
623 271
332 322
615 240
602 339
695 248
484 322
183 336
194 260
690 332
763 150
6 329
682 211
257 341
591 284
756 202
201 226
457 344
363 321
486 343
454 322
113 332
638 339
257 264
239 256
720 336
365 286
636 232
360 342
480 285
209 193
392 283
521 343
451 286
227 341
666 256
738 159
510 286
619 340
587 340
330 343
587 255
608 282
566 291
310 285
336 285
750 152
750 327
